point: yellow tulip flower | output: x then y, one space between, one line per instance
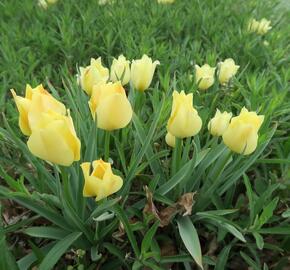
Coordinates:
170 139
241 136
101 182
184 120
93 74
227 69
111 106
260 27
30 107
54 139
120 70
204 76
142 71
219 123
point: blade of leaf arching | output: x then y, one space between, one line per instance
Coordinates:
58 250
190 239
223 258
226 224
120 254
148 237
182 174
125 222
154 164
38 208
101 208
25 262
142 151
7 260
48 232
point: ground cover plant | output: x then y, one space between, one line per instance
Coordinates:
144 134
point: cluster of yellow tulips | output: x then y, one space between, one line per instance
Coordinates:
239 133
50 128
205 75
108 100
52 136
48 124
260 27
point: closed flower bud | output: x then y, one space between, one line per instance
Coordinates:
101 182
241 136
260 27
170 139
204 76
219 123
44 3
264 26
184 120
266 43
30 107
111 106
93 74
120 70
106 2
54 139
227 69
142 71
165 1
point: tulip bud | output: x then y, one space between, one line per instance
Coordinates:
184 120
165 1
120 70
204 76
218 125
260 27
93 74
111 106
170 139
44 3
54 139
106 2
227 69
30 107
264 26
241 136
266 43
142 71
101 182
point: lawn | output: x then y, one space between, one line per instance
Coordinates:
136 174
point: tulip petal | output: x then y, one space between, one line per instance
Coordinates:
23 106
49 145
114 112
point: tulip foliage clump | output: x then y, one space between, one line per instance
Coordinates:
103 144
131 164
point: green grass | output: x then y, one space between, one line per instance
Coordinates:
241 213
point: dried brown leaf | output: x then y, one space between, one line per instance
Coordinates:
186 202
165 215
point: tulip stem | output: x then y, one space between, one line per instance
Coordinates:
176 157
138 101
107 146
